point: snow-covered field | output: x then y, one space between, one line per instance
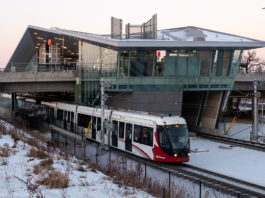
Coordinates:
242 130
241 163
17 175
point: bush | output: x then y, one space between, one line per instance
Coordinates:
33 142
47 163
4 152
37 153
55 179
37 169
81 169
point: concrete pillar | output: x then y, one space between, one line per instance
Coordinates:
14 104
211 109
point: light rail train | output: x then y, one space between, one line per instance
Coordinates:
155 137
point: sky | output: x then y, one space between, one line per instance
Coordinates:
240 17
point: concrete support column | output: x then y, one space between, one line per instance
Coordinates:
14 104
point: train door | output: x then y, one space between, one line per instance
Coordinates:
115 134
94 130
128 137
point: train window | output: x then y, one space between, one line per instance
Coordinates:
98 124
115 134
121 130
83 120
163 140
143 135
59 114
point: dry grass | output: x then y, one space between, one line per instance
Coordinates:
32 142
81 169
37 153
55 179
47 164
4 152
93 167
37 169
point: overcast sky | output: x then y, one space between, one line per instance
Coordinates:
241 17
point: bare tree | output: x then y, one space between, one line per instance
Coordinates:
252 62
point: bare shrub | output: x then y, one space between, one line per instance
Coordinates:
47 164
33 142
37 169
15 137
55 179
81 169
4 162
93 167
37 153
4 152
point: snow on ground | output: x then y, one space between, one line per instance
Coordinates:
241 163
242 130
19 169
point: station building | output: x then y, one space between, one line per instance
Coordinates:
187 71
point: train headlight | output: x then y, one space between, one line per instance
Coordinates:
188 154
175 155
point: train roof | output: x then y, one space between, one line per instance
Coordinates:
123 114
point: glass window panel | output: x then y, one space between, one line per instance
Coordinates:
160 63
83 120
148 63
226 62
215 63
206 59
182 64
124 58
193 63
98 124
121 130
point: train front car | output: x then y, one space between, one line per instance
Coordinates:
172 144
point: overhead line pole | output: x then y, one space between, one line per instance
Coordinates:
255 111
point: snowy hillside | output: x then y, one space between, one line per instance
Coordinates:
41 171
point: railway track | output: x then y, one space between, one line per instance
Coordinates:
219 182
212 180
237 142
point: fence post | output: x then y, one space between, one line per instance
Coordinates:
145 172
169 183
200 188
74 146
84 143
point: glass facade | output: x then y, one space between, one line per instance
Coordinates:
196 63
95 57
151 69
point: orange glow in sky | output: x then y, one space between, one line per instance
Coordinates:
240 17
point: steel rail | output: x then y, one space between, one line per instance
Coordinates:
237 142
217 181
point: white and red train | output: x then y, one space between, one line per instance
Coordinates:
158 138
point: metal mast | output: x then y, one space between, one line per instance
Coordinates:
255 111
102 109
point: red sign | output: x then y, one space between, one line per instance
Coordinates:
158 53
50 42
81 43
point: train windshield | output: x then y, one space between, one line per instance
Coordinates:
174 135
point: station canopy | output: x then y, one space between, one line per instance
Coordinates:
184 37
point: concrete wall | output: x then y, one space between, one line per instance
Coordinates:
158 102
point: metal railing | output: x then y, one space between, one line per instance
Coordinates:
23 67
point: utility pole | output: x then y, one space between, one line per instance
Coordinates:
102 110
255 111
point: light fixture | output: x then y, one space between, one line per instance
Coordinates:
35 33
